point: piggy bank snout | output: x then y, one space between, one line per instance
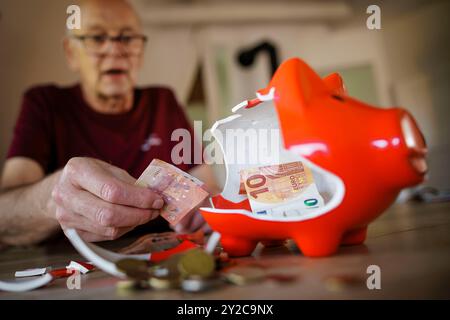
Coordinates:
399 150
415 142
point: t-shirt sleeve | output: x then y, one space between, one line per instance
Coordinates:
31 136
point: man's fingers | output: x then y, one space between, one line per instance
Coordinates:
69 219
102 213
89 237
95 178
92 237
112 215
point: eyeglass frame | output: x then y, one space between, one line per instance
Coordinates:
117 38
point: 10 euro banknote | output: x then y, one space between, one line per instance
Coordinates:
282 190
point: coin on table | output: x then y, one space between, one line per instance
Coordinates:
242 275
196 262
127 285
134 268
164 282
170 265
198 283
159 271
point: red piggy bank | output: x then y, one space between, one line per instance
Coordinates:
360 156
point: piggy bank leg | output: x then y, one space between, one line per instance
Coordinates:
318 245
354 237
273 243
238 247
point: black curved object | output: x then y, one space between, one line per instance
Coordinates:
246 57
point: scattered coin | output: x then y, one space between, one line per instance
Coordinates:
131 285
169 266
126 285
196 262
134 268
242 275
160 271
165 282
198 284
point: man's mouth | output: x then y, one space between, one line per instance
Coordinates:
114 72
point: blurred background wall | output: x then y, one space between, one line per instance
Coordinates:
193 47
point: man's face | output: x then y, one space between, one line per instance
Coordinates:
107 68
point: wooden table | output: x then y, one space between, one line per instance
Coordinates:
410 243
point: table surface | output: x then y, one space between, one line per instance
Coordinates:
409 242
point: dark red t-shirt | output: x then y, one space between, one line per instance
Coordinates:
56 124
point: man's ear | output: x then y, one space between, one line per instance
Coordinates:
70 54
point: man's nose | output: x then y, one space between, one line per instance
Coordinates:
115 48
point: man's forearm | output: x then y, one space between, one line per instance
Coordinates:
27 214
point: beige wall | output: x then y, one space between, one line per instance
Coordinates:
30 53
418 55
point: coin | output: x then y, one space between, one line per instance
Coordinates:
126 285
134 268
164 282
171 264
198 283
196 262
242 275
160 271
131 264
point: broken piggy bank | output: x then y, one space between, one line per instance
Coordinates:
360 157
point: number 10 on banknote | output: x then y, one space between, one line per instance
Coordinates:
281 190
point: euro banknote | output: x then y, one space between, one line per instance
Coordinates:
182 193
282 190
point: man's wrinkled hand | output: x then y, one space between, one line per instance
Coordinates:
101 201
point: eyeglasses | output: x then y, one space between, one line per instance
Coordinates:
97 44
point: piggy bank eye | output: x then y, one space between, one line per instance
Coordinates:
339 98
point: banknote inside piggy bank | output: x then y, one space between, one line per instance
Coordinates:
307 162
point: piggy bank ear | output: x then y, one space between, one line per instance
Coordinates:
296 84
335 83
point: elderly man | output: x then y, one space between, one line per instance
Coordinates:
76 151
